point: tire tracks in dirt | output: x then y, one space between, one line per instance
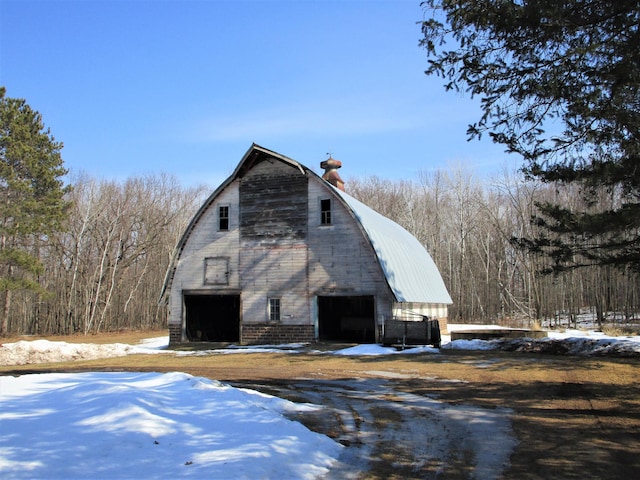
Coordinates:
389 433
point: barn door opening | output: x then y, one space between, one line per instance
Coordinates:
212 318
347 319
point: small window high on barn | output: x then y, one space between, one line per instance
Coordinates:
274 309
325 211
223 217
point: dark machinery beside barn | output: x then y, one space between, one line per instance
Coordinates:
412 332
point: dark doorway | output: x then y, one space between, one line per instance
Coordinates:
212 318
347 319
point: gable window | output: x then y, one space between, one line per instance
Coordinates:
325 211
223 217
274 309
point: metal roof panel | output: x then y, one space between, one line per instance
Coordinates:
411 273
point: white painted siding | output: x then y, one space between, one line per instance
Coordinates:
341 260
206 240
290 256
277 271
412 310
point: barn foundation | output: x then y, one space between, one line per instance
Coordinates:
267 333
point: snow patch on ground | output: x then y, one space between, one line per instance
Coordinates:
150 425
572 342
45 351
375 349
569 342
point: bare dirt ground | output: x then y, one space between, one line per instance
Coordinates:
573 417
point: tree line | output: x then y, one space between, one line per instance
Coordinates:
80 255
559 87
104 270
472 227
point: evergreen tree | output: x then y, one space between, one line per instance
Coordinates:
32 201
559 85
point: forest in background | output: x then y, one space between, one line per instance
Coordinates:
558 85
105 269
470 226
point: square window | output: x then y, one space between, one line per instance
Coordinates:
274 309
325 211
223 218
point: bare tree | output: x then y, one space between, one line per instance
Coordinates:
105 270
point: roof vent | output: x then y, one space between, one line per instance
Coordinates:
331 175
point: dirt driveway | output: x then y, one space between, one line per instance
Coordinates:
409 416
572 417
391 433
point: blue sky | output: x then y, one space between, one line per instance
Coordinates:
133 87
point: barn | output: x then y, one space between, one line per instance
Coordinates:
279 254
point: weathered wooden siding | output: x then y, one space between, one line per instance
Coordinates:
341 260
205 241
273 203
277 247
277 272
273 251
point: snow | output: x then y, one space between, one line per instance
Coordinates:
44 351
573 342
567 341
152 425
576 342
374 349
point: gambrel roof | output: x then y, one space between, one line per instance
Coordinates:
410 272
